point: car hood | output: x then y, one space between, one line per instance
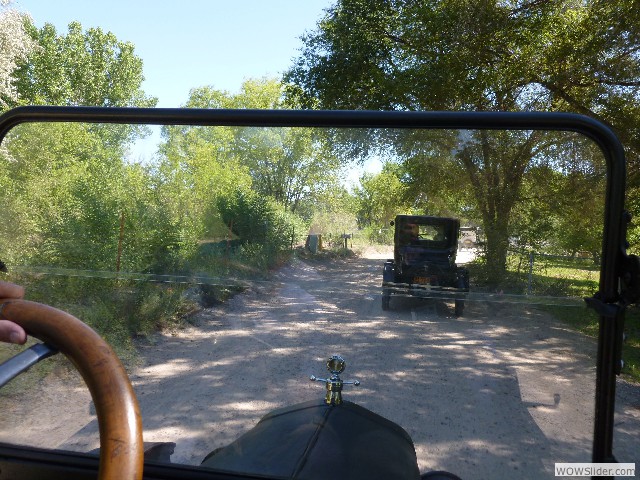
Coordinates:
297 442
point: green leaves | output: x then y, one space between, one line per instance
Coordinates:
15 45
289 165
81 68
470 55
381 197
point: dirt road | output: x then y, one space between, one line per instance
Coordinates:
502 392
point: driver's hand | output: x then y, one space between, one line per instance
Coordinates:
9 331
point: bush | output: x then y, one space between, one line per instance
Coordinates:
117 309
378 235
264 229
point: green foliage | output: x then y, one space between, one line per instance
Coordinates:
378 235
259 221
91 68
631 348
333 222
193 172
550 275
57 197
118 309
81 68
291 165
381 197
550 215
16 44
468 55
69 199
632 203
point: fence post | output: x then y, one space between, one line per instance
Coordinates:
229 233
531 259
120 239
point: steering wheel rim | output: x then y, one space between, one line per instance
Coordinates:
119 420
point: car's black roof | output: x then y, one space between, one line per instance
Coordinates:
426 219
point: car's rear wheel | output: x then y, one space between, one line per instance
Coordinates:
459 308
386 299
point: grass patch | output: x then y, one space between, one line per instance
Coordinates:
549 276
584 320
631 348
119 310
587 322
124 309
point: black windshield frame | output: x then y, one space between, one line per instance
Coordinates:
615 218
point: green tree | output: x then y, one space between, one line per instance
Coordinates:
562 207
195 169
262 226
289 165
87 68
330 211
381 196
469 55
16 45
80 67
61 190
64 184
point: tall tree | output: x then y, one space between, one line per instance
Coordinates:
287 164
81 67
64 184
88 68
15 45
380 196
467 55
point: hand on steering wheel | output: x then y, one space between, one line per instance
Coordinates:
11 332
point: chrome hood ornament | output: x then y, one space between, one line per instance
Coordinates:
334 384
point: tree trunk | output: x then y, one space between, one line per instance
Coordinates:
497 236
495 170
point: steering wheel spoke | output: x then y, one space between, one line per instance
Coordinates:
23 361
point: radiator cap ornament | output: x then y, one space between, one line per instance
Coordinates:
334 384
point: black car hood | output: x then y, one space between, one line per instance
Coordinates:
313 440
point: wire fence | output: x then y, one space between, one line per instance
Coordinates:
551 272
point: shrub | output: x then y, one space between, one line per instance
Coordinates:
117 309
264 229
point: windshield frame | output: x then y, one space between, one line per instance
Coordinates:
615 218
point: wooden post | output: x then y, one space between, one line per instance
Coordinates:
229 233
531 261
120 239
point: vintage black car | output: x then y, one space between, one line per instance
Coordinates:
424 260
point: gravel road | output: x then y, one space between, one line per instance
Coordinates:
504 391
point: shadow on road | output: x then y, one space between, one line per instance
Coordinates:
503 392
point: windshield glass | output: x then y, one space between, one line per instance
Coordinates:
447 267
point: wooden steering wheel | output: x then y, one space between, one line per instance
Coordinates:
121 446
